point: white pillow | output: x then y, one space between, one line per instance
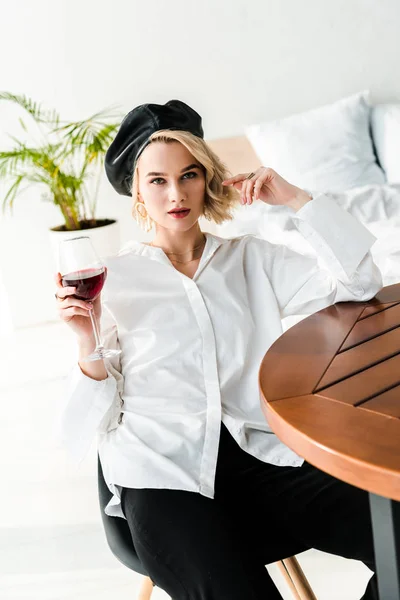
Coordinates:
385 119
325 149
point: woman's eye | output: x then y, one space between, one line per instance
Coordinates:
161 180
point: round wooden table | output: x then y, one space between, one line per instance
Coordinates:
330 390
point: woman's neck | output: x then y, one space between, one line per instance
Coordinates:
177 242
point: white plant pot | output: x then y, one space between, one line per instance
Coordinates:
105 239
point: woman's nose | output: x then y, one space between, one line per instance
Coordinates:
176 192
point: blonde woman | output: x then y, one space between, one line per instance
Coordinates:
209 493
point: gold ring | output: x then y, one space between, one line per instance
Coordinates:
250 175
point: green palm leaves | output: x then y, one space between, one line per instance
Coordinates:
65 159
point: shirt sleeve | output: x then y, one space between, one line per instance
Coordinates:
91 407
341 270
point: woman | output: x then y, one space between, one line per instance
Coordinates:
209 493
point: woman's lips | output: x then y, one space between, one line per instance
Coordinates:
180 214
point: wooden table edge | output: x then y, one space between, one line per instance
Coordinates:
375 478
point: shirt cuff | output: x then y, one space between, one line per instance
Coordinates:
325 224
85 404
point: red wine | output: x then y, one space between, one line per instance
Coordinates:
88 283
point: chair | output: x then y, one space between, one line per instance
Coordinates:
120 542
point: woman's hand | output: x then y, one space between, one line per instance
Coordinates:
269 187
75 312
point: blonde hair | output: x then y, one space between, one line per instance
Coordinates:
219 200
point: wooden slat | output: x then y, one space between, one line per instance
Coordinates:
387 403
372 327
361 357
368 383
297 360
356 446
372 310
390 293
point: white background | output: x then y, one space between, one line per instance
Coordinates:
235 61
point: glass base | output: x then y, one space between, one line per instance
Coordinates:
101 353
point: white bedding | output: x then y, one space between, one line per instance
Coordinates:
377 206
329 148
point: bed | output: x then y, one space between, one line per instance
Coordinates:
349 149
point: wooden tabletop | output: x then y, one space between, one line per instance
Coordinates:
330 390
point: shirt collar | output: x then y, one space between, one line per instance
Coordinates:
213 242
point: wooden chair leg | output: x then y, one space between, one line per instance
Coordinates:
146 589
289 568
298 578
287 578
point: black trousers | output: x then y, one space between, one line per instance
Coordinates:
196 548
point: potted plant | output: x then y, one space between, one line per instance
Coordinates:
65 160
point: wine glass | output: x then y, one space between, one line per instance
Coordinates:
81 267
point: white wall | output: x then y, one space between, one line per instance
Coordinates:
235 61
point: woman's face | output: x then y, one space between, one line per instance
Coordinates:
171 179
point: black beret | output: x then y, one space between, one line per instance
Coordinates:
135 131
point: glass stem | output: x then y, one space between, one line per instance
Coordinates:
99 345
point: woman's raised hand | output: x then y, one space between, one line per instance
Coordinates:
75 312
269 187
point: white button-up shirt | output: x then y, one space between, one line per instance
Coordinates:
192 348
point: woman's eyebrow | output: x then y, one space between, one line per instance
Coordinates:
156 174
193 166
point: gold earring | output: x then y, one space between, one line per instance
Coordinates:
139 205
141 216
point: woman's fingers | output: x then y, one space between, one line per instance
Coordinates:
243 193
72 307
67 313
65 292
246 194
250 188
245 185
58 279
256 183
68 305
71 301
62 292
257 187
235 179
259 183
